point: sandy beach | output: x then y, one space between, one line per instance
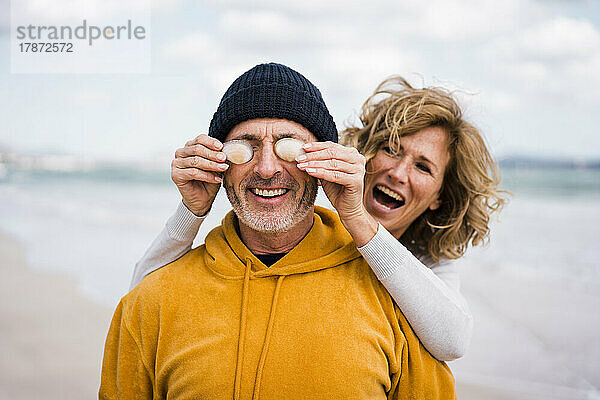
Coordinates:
51 337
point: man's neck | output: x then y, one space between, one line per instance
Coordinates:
275 242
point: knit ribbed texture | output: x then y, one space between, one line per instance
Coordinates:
379 245
184 224
273 91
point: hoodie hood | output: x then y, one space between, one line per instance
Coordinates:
326 245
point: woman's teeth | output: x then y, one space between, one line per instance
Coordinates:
390 193
269 192
387 197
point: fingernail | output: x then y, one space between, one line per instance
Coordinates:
307 146
223 166
218 179
302 165
301 158
221 156
311 170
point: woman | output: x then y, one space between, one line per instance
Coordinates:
429 189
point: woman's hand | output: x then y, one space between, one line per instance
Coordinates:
196 171
342 172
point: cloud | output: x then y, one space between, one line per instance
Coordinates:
63 11
360 69
346 59
312 28
265 28
557 40
328 9
530 71
549 60
49 11
439 19
217 62
259 24
501 101
261 30
469 20
563 38
521 60
67 11
197 48
589 70
349 48
4 16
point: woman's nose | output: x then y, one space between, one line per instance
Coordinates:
268 164
399 171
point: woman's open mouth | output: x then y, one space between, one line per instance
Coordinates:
387 197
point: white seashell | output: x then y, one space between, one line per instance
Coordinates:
288 149
238 151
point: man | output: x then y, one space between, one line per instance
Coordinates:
278 303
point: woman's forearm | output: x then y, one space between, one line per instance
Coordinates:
429 298
172 242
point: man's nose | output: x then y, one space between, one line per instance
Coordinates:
268 164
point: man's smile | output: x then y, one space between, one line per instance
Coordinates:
270 196
269 192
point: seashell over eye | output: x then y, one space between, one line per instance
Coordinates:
288 149
238 151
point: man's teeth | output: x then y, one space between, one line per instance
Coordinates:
390 193
269 193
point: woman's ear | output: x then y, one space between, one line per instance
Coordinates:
435 204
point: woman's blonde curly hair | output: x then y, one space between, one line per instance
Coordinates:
469 192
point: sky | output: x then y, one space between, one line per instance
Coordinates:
527 72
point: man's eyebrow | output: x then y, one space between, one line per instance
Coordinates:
287 135
249 137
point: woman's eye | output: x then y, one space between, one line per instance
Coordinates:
389 151
424 168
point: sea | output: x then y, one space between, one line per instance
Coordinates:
94 225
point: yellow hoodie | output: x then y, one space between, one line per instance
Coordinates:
219 324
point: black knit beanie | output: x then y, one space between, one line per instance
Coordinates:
273 91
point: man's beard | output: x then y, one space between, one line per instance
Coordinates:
267 219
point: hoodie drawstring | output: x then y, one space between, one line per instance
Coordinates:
242 336
263 353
